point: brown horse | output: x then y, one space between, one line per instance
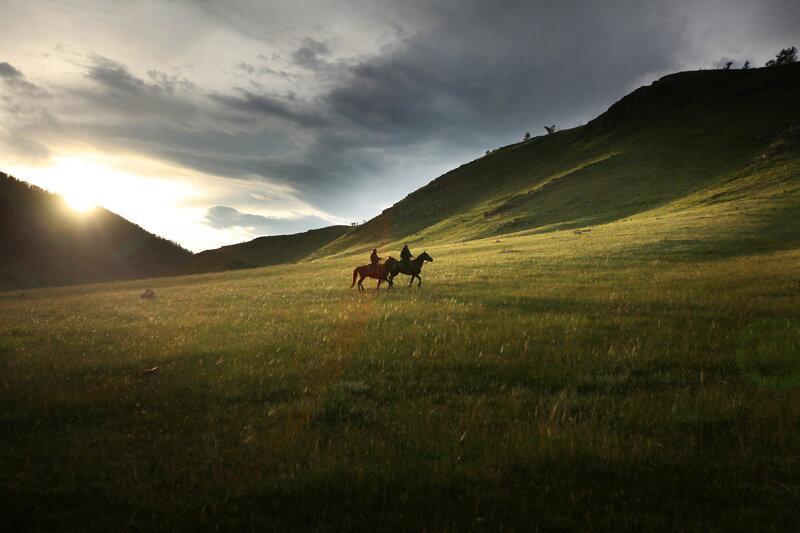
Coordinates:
377 271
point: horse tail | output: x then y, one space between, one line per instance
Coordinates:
355 273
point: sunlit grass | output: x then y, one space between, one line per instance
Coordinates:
557 380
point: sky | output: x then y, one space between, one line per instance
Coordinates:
215 122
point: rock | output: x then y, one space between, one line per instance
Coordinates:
150 371
148 294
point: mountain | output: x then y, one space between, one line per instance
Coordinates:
686 140
263 251
43 242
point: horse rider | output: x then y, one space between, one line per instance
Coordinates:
374 259
405 254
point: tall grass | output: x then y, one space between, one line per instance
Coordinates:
607 379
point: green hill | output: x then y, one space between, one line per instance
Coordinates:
688 137
46 243
263 251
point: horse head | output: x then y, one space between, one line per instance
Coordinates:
425 257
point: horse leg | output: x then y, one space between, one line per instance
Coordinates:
419 282
360 286
412 280
389 281
379 284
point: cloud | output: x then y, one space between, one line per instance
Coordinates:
8 71
115 77
270 106
118 99
14 79
223 217
247 67
26 149
307 56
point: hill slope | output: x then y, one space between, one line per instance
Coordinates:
263 251
44 242
684 134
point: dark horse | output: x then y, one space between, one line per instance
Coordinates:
377 271
412 268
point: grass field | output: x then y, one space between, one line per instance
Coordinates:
643 374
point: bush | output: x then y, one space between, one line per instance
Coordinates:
784 57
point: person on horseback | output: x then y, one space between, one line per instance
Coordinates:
405 254
374 259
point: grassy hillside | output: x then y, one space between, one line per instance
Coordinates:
683 134
642 375
44 242
263 251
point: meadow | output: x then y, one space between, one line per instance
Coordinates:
642 374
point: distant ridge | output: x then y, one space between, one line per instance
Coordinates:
263 251
45 243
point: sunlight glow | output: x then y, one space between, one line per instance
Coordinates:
79 202
88 181
154 202
81 195
164 199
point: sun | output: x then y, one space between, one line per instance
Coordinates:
84 184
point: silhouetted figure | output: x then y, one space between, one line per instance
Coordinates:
374 259
394 267
405 254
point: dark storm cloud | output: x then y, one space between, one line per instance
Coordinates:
163 98
307 55
458 92
515 67
477 78
270 106
115 77
224 217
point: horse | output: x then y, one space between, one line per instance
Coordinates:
411 268
377 271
